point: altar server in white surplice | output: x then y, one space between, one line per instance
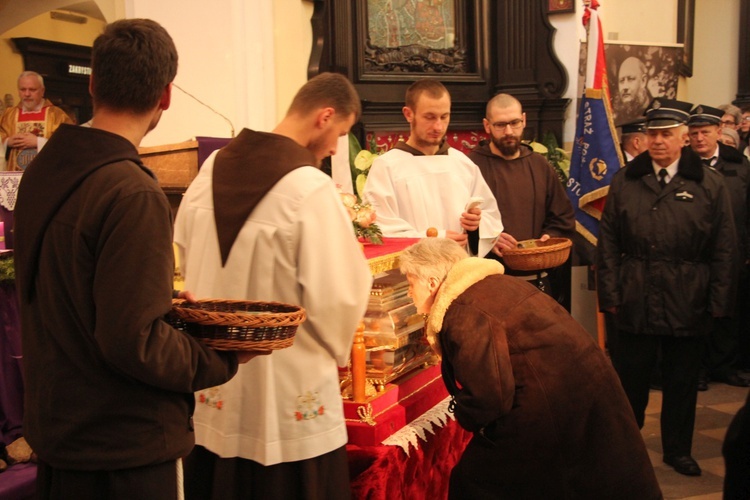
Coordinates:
261 222
424 183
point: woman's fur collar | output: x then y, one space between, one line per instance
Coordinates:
462 275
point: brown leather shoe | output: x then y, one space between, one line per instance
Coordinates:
735 380
684 464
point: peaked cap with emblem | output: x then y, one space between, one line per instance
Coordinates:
705 115
667 113
637 126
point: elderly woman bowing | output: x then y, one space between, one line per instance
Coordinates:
549 417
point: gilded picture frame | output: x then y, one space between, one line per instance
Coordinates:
413 37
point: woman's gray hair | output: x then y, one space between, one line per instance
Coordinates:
733 134
431 257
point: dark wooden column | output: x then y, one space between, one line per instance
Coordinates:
527 66
743 76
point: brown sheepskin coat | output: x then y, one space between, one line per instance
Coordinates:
550 416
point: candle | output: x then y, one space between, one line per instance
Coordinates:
359 367
2 235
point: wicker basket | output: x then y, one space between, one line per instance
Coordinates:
238 325
542 255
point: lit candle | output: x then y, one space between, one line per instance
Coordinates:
359 367
2 235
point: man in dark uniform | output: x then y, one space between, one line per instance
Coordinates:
633 139
665 266
722 356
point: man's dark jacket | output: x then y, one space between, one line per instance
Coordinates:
667 258
736 171
109 385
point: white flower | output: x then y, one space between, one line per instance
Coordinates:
349 200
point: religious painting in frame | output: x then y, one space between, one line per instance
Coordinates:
418 37
685 29
561 6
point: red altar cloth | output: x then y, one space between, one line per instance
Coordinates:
388 473
389 246
380 471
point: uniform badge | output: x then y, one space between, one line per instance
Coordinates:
683 196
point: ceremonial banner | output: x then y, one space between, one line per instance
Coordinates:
596 152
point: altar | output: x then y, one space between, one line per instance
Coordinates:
403 441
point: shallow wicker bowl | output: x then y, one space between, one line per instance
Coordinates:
238 325
543 255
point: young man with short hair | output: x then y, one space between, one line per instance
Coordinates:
424 183
262 222
109 384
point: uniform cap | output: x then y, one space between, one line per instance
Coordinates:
667 113
705 115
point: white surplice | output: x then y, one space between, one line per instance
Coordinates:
412 193
297 247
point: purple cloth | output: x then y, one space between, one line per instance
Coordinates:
18 482
6 216
11 383
207 145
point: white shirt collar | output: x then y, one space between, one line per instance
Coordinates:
713 155
671 170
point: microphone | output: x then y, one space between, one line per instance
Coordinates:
204 104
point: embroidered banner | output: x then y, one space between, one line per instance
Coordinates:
596 152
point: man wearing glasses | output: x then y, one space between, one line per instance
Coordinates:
732 116
526 187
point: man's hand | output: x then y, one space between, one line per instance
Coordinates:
470 219
185 294
245 356
460 238
504 242
22 141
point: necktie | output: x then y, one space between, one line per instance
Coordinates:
663 177
708 161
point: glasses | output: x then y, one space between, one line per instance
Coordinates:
746 118
514 124
728 122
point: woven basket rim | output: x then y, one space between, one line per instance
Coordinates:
288 314
552 253
549 246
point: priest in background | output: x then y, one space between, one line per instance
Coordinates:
24 129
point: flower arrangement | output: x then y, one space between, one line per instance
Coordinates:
360 160
363 218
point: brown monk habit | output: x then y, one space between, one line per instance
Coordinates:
244 171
